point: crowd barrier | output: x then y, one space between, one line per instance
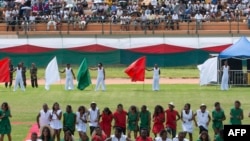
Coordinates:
108 27
238 77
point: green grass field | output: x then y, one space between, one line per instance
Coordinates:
26 105
118 72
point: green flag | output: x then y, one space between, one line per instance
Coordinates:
83 76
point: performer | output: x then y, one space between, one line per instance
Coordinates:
55 121
218 117
11 69
156 77
19 78
69 85
133 118
43 116
145 119
158 119
225 76
187 121
81 122
106 120
100 77
203 118
69 121
5 127
236 114
120 118
94 114
172 116
33 75
23 74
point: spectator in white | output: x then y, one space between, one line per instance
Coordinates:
127 22
43 116
51 21
82 22
118 136
123 22
208 6
32 22
119 12
203 118
198 18
206 17
175 19
213 12
94 8
94 114
135 7
180 137
143 20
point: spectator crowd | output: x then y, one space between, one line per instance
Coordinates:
138 14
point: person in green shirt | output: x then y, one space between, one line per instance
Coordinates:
236 114
218 116
69 120
145 119
5 127
220 136
133 118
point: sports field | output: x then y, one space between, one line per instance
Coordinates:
26 105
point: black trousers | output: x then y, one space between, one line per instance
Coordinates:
34 83
9 83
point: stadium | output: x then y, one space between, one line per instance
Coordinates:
188 40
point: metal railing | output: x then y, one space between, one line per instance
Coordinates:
237 77
146 27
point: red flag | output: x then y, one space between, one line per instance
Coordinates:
4 69
136 70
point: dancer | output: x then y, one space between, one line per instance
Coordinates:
43 117
69 121
33 75
158 119
163 136
120 118
46 133
55 123
5 126
133 118
218 116
145 119
172 116
94 114
187 121
203 118
81 122
156 77
236 114
19 78
70 75
106 120
100 77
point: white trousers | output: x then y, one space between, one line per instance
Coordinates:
69 85
156 85
100 81
19 80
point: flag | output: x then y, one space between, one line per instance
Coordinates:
4 69
51 73
83 76
136 70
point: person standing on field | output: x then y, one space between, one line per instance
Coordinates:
33 75
70 75
11 69
24 74
156 77
5 126
225 76
19 78
100 77
43 117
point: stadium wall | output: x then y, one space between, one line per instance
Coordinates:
110 50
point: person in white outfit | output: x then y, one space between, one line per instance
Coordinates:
94 114
163 136
55 120
156 77
225 76
187 120
81 122
19 78
203 118
100 77
70 76
118 136
43 117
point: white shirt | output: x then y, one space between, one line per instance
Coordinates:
18 73
114 138
100 72
156 73
175 17
198 16
68 73
176 139
44 117
93 117
202 118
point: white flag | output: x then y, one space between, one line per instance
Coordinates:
51 73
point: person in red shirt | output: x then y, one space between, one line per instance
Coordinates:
120 118
172 116
106 120
144 136
98 134
158 119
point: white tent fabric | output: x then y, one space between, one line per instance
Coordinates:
51 73
208 71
